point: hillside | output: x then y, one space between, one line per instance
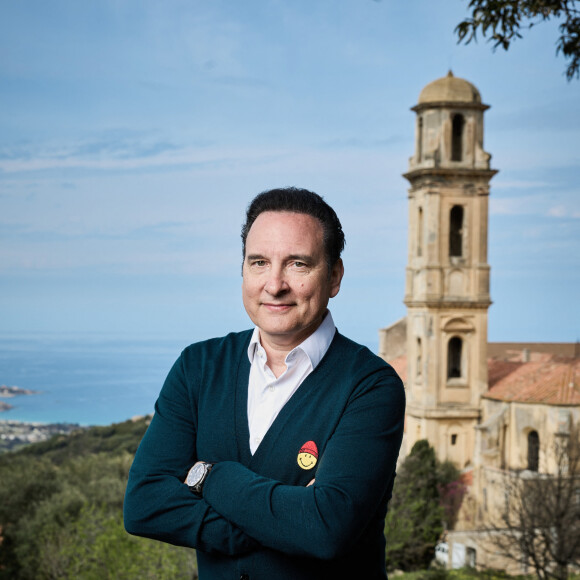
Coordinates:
61 511
61 514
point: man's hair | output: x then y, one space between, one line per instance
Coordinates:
295 200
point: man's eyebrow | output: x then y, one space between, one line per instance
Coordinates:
297 257
254 257
300 257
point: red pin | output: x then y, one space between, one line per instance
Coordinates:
308 455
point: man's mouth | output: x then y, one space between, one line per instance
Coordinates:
275 307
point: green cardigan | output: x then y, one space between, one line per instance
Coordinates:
257 518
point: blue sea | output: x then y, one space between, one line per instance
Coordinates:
89 379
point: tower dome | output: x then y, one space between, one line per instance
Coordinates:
449 89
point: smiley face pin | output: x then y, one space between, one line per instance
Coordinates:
308 455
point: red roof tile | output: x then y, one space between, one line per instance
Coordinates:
547 379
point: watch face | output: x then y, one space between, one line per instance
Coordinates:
195 474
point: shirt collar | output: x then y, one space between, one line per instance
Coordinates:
315 346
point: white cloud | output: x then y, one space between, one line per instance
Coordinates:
561 204
561 211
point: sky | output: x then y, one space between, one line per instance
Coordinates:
133 134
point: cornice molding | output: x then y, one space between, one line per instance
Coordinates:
455 105
442 304
450 173
444 412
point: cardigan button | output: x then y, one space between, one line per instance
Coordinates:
245 577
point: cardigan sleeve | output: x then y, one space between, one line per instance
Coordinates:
157 503
355 473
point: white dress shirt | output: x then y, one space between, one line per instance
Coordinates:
268 394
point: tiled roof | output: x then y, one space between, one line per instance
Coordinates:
546 378
510 349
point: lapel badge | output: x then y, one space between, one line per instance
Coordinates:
308 455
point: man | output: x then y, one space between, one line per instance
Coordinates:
273 451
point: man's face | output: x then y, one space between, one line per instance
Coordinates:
286 284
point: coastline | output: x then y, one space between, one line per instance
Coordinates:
7 392
10 392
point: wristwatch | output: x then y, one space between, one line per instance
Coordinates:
197 476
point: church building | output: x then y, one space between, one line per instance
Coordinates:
488 407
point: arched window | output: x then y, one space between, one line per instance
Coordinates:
533 450
457 137
456 231
454 358
419 358
420 232
420 139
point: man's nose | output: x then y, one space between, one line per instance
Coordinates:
276 283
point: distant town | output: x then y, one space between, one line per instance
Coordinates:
16 434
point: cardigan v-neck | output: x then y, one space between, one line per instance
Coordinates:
285 413
241 402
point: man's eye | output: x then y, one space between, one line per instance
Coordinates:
300 264
259 263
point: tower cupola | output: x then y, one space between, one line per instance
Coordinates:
449 129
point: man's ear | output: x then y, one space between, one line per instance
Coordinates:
336 275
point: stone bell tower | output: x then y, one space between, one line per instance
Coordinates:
447 280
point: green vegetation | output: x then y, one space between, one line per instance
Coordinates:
502 20
426 497
61 511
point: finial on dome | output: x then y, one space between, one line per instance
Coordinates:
450 73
